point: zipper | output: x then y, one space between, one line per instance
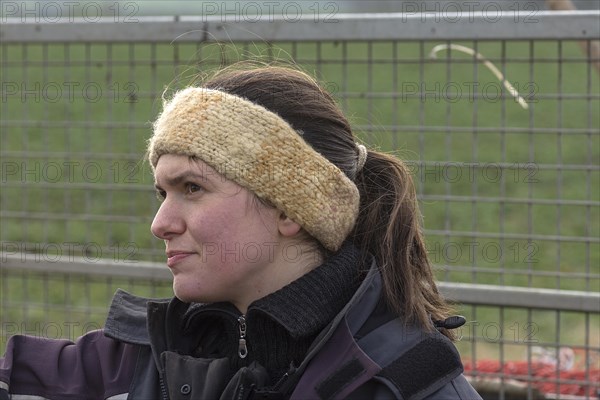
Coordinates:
163 388
241 320
242 348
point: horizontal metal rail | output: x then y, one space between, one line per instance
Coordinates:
558 25
503 296
79 265
521 297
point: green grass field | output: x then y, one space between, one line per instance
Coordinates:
75 119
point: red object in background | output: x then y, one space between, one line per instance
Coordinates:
545 377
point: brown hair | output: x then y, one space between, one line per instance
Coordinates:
389 221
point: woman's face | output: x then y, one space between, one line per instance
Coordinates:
220 244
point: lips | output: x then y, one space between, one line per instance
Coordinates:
174 257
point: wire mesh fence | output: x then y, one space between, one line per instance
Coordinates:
507 178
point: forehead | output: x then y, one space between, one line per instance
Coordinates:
172 168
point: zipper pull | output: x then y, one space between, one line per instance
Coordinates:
242 349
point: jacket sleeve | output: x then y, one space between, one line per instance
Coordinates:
93 368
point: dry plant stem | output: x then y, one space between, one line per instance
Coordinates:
590 48
485 62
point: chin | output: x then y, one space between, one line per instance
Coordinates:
184 294
189 296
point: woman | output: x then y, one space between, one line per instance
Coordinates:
299 267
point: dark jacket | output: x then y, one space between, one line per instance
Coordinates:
364 353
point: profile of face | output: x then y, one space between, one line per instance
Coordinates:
220 244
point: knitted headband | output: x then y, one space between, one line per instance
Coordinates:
260 151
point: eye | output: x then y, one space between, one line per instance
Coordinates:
191 187
161 195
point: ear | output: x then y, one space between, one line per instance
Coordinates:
287 227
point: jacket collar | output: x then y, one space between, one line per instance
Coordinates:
127 318
296 307
307 304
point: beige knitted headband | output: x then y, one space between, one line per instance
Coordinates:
260 151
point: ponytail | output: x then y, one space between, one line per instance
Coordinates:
389 228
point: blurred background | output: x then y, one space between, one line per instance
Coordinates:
493 105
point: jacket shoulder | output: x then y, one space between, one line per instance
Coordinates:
372 353
416 363
423 367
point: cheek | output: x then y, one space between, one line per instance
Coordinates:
233 224
219 231
231 227
208 225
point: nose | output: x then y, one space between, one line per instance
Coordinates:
168 221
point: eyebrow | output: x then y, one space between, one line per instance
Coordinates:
178 179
